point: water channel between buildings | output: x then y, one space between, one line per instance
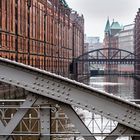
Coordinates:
123 86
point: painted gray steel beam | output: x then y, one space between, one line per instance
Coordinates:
76 120
120 130
70 92
3 127
45 117
12 124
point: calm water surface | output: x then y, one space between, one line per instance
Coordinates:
126 87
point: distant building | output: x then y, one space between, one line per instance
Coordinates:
126 42
120 37
92 40
126 38
94 43
111 41
111 34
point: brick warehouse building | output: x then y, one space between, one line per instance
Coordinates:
45 34
40 33
137 53
137 42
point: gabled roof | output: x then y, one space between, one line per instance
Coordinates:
115 25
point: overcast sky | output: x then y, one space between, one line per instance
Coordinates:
96 12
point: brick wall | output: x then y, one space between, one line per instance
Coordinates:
40 33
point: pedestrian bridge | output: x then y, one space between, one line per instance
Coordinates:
46 92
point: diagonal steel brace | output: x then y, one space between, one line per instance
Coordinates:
9 128
76 120
120 130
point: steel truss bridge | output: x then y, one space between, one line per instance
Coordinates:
108 56
37 96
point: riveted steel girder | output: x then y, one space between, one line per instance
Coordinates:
9 128
120 130
70 92
45 116
3 127
75 119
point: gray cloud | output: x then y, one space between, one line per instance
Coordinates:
97 11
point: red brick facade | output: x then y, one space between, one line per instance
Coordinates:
137 42
40 33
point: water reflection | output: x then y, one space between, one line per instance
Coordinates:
116 85
125 87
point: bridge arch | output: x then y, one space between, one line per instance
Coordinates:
112 55
102 56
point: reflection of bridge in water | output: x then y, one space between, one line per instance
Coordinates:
38 92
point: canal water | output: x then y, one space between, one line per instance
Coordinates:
126 87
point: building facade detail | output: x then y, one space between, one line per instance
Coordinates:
41 33
137 42
121 37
